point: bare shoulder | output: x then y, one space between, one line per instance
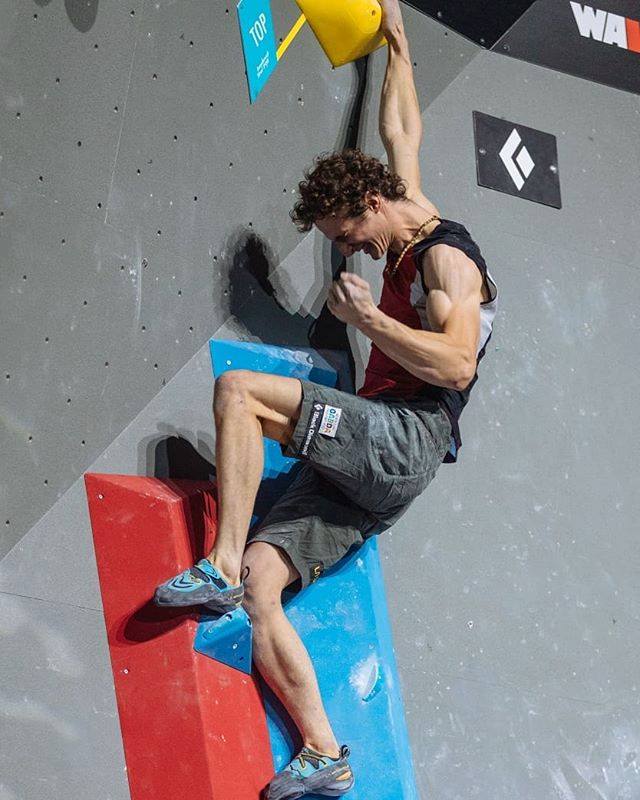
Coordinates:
419 198
449 269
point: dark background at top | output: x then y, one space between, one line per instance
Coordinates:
482 21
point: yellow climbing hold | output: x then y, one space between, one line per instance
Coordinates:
346 29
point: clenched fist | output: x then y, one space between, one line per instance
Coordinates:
350 299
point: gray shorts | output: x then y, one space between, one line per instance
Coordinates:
364 461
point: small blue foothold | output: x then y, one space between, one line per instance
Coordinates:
226 638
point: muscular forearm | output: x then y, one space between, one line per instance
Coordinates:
399 107
430 356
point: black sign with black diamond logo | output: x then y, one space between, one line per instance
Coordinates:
517 160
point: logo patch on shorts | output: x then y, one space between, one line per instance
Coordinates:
330 420
312 428
315 571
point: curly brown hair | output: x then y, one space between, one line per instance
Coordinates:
339 182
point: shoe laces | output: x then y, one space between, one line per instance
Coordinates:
197 575
315 759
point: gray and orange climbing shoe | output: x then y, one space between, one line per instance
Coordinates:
314 773
201 584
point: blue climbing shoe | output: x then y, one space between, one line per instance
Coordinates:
311 772
201 584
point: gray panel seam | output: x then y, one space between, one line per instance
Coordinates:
124 110
515 688
51 602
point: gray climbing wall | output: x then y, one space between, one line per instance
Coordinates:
144 209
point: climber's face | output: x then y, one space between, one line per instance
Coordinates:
367 233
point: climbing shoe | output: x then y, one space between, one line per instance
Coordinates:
201 584
311 772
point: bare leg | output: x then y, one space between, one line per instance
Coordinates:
239 465
247 405
278 651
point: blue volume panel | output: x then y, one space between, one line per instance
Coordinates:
258 43
343 621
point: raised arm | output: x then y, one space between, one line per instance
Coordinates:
400 120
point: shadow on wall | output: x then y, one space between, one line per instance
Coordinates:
252 301
252 295
82 13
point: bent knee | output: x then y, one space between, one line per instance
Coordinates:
260 603
230 386
235 380
270 571
262 595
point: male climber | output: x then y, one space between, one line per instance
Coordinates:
367 456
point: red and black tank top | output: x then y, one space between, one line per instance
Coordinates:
404 298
